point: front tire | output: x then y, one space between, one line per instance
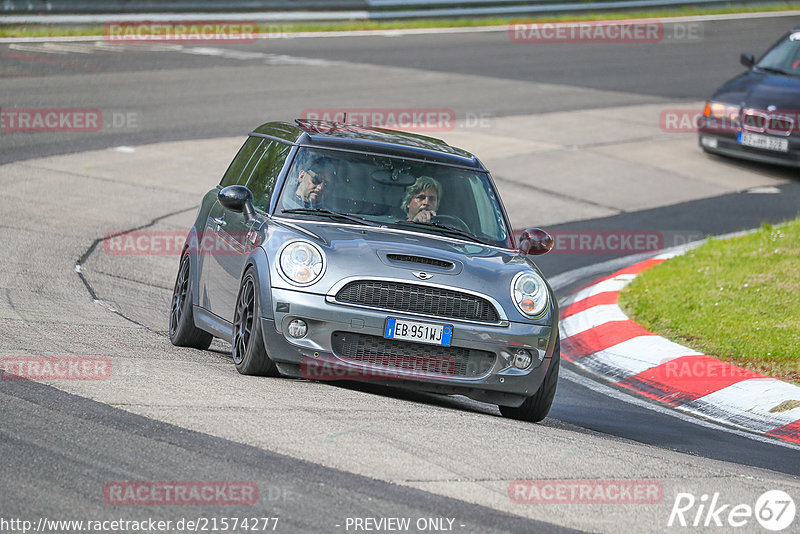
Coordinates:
182 331
536 407
249 354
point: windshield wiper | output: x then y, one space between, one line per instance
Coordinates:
774 70
448 229
331 214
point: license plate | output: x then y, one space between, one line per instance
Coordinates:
435 334
763 141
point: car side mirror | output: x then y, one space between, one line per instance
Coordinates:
535 241
747 60
239 199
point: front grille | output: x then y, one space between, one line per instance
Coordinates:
421 260
393 355
767 122
414 298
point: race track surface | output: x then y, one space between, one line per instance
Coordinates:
573 135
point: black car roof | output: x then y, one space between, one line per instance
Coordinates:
327 134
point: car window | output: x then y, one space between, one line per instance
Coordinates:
239 169
271 156
784 56
379 189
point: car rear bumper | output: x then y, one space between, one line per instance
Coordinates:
478 363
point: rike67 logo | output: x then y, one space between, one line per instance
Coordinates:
774 510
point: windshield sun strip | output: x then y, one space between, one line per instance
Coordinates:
479 168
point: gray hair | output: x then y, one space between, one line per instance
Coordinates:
421 184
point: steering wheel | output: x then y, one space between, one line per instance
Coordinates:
450 220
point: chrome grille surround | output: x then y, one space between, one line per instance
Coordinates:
414 359
424 300
780 125
770 122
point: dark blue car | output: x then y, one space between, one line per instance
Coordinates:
755 115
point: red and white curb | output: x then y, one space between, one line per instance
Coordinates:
598 337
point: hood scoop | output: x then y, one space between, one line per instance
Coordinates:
420 261
416 262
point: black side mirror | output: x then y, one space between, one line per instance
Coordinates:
535 241
747 60
239 199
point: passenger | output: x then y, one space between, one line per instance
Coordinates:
313 184
422 199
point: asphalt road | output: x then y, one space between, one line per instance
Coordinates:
161 92
328 452
67 447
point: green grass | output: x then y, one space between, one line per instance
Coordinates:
42 30
736 299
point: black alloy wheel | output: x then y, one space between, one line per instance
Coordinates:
182 330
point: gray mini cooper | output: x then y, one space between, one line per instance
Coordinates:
337 252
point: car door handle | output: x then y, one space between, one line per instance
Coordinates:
219 221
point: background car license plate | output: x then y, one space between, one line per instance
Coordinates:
435 334
764 141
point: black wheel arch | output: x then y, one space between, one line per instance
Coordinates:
259 263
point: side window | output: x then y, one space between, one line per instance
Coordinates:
240 167
262 182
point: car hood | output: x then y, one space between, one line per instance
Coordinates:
756 89
365 252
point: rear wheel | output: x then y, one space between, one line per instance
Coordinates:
536 407
182 331
249 354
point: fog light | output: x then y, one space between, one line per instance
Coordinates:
522 359
298 328
710 142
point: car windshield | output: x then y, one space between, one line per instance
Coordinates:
784 57
377 190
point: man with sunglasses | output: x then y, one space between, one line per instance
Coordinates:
313 184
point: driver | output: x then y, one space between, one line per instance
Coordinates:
422 199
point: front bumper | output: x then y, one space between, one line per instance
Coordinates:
727 145
499 382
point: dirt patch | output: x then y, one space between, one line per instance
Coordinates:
785 406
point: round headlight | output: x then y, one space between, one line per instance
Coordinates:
529 293
302 263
